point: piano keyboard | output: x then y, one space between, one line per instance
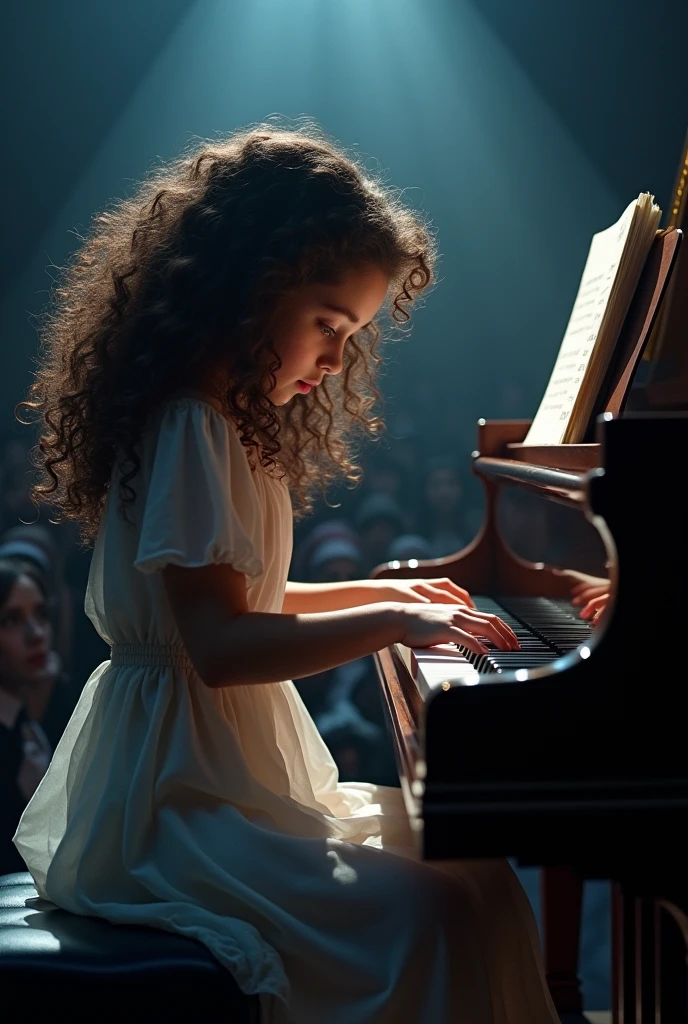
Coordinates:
546 629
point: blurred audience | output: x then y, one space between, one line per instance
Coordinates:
309 537
379 520
408 546
384 475
443 519
335 559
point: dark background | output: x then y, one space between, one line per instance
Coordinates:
521 128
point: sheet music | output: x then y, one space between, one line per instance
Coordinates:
599 275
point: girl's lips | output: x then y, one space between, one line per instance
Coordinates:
37 659
303 387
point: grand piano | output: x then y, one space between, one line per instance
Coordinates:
571 754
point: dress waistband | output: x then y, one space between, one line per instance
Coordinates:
156 655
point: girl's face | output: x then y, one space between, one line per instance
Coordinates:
312 326
25 635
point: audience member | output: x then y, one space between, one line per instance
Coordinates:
335 559
443 508
384 475
306 541
27 660
405 444
379 520
77 643
408 546
36 543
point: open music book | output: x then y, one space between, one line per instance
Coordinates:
610 277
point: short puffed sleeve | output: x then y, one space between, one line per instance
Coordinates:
200 503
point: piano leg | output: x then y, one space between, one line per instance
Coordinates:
650 942
561 894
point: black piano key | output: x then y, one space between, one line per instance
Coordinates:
545 627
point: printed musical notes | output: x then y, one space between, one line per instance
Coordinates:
610 276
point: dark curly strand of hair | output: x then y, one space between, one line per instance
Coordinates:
187 273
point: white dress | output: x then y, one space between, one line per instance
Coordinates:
217 813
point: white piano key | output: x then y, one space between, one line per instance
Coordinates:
430 667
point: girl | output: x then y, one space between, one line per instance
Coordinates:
214 345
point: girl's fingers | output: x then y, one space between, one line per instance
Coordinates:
444 596
447 586
588 593
506 631
594 606
464 639
491 627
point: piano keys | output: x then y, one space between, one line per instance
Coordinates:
546 629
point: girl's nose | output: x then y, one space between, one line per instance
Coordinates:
332 362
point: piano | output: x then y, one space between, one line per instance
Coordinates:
571 754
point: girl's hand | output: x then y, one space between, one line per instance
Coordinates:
595 607
584 587
425 591
428 624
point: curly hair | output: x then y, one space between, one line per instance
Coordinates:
187 273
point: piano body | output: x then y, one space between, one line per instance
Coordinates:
573 759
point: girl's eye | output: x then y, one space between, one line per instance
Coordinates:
325 328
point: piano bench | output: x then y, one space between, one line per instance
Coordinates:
51 960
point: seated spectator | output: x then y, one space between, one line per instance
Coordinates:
379 521
383 475
26 662
331 529
443 522
76 641
408 546
335 559
36 544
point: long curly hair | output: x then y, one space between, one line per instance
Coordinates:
187 273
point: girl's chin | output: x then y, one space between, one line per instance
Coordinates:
280 396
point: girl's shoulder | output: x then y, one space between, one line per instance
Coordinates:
185 395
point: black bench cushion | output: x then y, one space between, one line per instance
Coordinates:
47 948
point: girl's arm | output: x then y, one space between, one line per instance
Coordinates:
303 598
230 645
306 598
